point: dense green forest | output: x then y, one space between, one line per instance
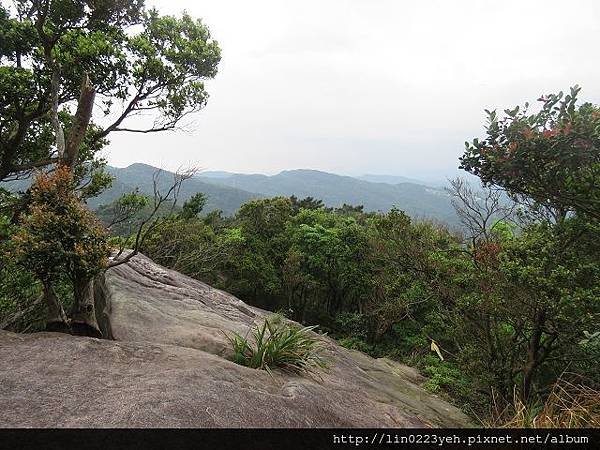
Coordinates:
503 317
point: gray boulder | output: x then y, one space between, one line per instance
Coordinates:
168 366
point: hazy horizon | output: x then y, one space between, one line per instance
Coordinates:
368 87
202 170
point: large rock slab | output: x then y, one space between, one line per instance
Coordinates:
168 367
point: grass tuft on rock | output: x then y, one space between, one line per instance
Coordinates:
277 345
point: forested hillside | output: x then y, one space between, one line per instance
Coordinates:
140 176
500 315
503 317
418 201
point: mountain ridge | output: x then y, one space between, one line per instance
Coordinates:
418 200
227 191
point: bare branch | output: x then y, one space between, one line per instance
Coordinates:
148 130
479 212
153 220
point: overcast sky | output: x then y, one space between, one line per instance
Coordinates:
369 86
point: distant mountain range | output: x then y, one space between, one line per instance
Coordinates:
389 179
227 191
228 199
416 199
395 179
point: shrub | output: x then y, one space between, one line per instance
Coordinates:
443 376
352 324
356 343
279 346
58 235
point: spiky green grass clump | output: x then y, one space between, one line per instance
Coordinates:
279 346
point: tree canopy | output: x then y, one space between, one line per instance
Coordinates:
552 156
135 61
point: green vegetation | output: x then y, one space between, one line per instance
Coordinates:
512 302
550 157
58 237
277 345
59 54
227 194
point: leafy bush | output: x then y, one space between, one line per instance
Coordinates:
279 346
58 235
443 376
18 291
356 343
550 157
354 324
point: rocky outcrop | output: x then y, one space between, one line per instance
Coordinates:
168 367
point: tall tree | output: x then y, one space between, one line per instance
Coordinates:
541 290
63 60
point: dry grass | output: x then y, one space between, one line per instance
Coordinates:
571 404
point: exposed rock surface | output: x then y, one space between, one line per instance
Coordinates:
168 367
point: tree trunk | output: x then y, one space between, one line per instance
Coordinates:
56 319
83 314
533 354
81 121
528 374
